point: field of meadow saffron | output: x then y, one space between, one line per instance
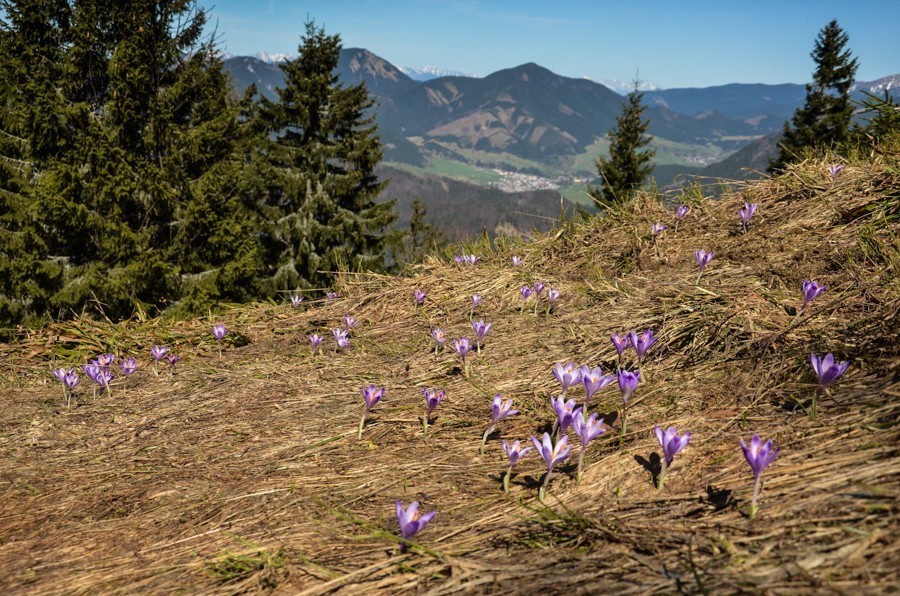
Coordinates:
700 398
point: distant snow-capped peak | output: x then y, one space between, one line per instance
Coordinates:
426 73
878 85
626 87
273 58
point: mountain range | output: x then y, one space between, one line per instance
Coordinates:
529 120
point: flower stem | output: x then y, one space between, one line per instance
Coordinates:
581 462
697 283
544 484
624 422
506 480
362 421
662 476
220 348
753 506
815 402
484 438
425 426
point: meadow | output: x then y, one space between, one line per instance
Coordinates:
247 471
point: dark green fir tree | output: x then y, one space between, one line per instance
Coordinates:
824 119
317 173
630 161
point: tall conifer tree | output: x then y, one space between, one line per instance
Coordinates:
824 119
629 164
319 166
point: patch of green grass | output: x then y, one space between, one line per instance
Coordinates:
231 567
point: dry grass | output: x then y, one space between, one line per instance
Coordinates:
244 473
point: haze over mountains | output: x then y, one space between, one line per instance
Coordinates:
527 120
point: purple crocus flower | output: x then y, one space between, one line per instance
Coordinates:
593 380
104 361
621 344
681 211
587 430
316 340
60 373
433 398
471 260
746 212
811 290
564 411
500 409
439 338
552 296
703 259
128 366
835 170
372 394
158 353
69 378
460 260
476 300
567 375
296 300
173 360
628 382
671 444
481 330
526 292
514 453
331 295
419 296
350 322
658 229
340 336
552 455
642 343
759 455
411 522
538 288
462 347
827 369
219 332
516 261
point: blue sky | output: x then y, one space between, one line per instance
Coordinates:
674 43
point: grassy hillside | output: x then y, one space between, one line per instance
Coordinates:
244 472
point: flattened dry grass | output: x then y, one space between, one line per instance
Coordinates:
244 473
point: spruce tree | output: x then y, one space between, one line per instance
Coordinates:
824 119
629 164
129 140
317 173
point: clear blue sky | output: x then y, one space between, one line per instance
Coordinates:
673 43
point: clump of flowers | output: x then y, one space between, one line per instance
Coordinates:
552 455
746 212
433 398
316 340
69 379
419 296
703 259
411 522
671 444
628 382
372 395
100 375
219 333
481 330
759 455
500 409
811 291
514 453
158 353
587 430
828 371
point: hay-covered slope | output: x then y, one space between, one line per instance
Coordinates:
244 472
